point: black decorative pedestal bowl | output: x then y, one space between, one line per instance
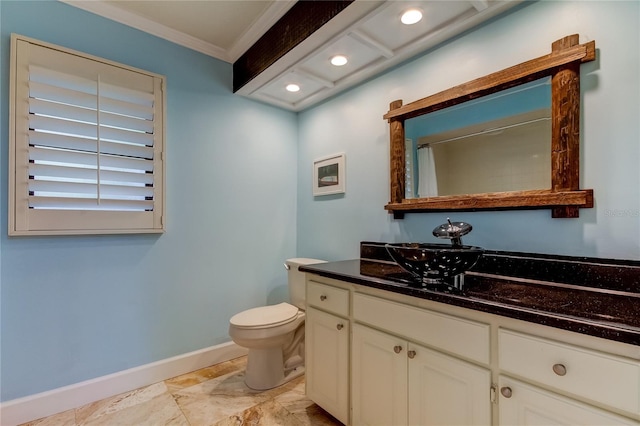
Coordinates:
435 266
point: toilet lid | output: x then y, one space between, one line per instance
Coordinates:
265 315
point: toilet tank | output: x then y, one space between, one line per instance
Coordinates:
296 280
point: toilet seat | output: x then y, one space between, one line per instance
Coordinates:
265 316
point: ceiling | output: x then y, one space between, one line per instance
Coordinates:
368 32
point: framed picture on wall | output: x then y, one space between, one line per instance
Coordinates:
329 175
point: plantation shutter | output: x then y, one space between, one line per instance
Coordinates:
88 144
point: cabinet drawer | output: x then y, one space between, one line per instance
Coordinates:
459 336
597 376
531 405
328 298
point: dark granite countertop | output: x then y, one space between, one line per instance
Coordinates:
602 308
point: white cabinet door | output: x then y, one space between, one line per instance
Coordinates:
527 405
379 378
447 391
327 362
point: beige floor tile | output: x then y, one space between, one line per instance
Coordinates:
268 413
66 418
151 405
161 410
214 400
119 402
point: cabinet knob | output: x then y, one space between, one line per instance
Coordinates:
323 297
340 326
559 369
397 349
411 354
506 391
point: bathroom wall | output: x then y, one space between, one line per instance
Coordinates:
331 227
76 308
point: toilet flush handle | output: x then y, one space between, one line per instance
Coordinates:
287 267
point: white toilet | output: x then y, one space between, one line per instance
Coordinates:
274 334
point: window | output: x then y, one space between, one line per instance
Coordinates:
86 144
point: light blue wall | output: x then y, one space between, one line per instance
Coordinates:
332 227
90 306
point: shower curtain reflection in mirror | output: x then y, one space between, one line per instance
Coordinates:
427 180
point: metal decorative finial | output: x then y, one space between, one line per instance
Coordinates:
452 231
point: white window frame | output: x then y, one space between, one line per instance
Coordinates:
26 220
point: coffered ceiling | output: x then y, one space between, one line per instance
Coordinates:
367 32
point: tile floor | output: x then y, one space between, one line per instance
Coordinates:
215 396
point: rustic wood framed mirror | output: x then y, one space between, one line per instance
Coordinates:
564 197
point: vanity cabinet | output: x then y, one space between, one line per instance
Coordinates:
396 379
543 381
375 357
327 330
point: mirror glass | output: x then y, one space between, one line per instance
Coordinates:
500 142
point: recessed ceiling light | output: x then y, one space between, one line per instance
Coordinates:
411 16
293 87
339 60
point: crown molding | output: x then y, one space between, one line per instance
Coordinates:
253 33
148 26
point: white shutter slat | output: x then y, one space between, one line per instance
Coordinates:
120 135
128 123
48 124
72 82
85 159
65 111
62 95
126 95
53 140
61 173
87 204
74 128
87 115
89 145
62 80
80 189
88 100
143 112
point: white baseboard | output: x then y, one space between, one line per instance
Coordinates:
33 407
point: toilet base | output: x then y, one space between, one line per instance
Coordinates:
266 369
